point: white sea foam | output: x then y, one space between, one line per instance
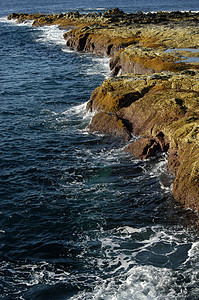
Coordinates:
14 22
116 272
53 35
49 112
4 20
130 230
94 8
47 34
193 252
77 115
68 50
170 11
37 273
99 65
159 169
78 110
50 34
94 64
124 278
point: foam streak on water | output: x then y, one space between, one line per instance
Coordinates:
122 254
51 34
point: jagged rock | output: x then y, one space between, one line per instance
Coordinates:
113 95
161 107
164 109
22 17
106 36
113 13
139 60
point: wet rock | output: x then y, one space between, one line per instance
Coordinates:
164 109
146 147
139 60
143 148
109 124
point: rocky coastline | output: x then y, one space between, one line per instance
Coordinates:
153 91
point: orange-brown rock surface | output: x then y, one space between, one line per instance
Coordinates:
164 110
147 36
156 92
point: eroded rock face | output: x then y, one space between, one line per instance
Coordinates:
115 31
164 109
114 94
186 184
109 124
96 40
158 99
144 148
139 60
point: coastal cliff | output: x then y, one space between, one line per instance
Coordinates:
154 89
163 109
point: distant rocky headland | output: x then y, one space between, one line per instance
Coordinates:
153 91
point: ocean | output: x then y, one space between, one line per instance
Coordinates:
79 217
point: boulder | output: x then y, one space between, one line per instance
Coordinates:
143 148
109 124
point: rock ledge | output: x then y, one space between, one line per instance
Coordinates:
156 92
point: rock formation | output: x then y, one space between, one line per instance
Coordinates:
153 92
163 109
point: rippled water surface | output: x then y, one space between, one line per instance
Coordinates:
79 217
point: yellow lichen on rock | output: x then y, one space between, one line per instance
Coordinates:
109 124
115 94
164 109
141 60
157 96
186 183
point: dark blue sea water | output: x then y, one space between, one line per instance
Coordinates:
79 217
